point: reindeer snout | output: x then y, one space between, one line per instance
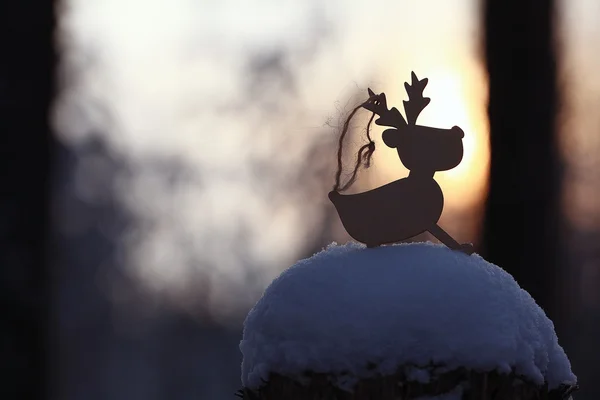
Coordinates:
458 131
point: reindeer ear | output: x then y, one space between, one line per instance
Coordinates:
391 137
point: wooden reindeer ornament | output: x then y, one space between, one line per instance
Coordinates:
406 207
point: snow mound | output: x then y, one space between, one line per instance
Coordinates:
402 305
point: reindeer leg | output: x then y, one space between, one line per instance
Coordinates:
449 241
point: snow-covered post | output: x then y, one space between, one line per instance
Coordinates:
408 321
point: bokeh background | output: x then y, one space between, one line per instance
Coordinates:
164 161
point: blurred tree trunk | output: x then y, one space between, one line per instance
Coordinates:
522 223
26 90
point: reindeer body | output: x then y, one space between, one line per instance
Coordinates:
399 213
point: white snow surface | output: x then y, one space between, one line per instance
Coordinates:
402 305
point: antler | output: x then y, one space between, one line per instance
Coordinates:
378 105
416 102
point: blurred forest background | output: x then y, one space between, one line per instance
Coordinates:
163 161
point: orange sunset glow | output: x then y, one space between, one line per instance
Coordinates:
456 99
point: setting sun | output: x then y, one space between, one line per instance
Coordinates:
455 100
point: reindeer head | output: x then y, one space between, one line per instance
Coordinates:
419 147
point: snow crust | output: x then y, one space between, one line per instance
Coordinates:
402 305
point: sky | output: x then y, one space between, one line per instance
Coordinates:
579 136
241 95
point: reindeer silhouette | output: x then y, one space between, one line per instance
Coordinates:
412 205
